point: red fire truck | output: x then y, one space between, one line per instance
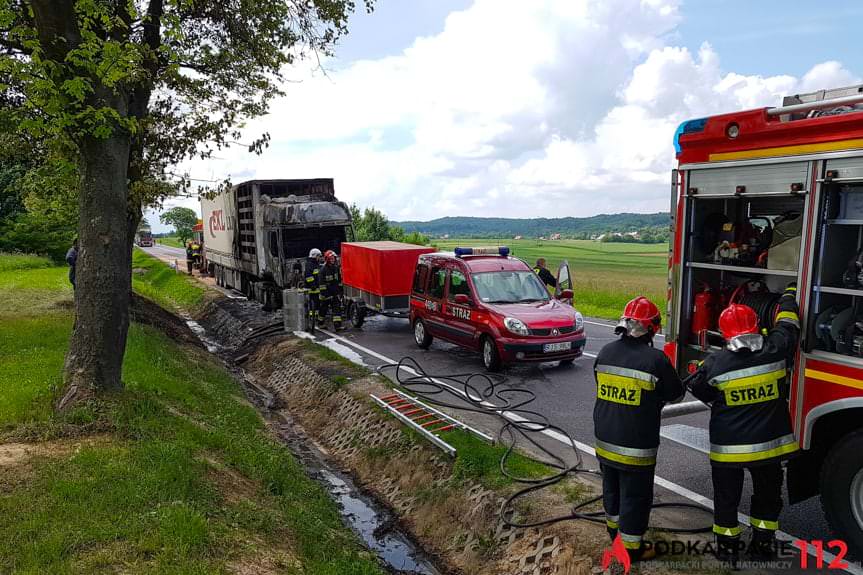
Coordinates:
760 199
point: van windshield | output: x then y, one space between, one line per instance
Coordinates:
509 287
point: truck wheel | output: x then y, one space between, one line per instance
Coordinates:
357 314
842 489
490 356
421 334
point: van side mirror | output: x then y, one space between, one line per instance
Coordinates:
462 299
566 294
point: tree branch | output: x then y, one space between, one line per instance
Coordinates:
57 26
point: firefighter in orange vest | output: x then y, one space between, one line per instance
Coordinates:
750 428
633 381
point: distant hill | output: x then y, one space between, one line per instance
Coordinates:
465 227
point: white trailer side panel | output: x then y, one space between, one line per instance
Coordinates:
220 225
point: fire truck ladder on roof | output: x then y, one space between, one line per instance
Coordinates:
425 419
820 100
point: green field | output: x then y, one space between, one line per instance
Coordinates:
171 241
606 275
175 474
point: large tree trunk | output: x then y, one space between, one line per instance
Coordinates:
94 361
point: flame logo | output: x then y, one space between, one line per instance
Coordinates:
616 553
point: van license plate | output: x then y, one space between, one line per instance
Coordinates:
553 347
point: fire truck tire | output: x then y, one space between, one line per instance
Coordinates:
490 355
842 490
356 313
422 337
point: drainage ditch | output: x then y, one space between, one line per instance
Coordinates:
376 526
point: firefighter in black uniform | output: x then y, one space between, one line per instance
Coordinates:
330 278
746 386
633 381
311 273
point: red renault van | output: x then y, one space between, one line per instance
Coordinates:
484 300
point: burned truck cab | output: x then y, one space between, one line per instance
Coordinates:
292 226
258 233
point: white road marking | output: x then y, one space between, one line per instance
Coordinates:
669 485
696 438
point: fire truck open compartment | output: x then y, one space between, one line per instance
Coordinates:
836 300
742 244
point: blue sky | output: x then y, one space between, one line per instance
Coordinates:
528 109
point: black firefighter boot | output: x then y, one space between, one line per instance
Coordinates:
728 550
763 545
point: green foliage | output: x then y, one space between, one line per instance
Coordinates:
572 228
183 220
165 286
9 262
182 479
38 197
372 225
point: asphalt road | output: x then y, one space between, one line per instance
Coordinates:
168 253
566 396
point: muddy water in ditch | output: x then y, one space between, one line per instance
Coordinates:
373 524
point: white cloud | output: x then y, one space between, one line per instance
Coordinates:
544 108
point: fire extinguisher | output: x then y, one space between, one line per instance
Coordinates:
704 311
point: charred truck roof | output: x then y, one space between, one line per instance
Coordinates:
300 203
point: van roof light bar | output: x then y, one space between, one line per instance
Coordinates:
482 251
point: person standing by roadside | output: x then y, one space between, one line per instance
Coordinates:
546 276
72 260
190 257
633 382
311 272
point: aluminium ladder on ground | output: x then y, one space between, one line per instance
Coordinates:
425 419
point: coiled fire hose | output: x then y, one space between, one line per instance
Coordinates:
488 394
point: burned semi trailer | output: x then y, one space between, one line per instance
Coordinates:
258 233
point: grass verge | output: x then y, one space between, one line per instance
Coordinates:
10 262
156 280
183 479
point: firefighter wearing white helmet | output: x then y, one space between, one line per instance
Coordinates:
633 381
311 273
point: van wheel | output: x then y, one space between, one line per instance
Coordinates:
842 489
490 356
421 334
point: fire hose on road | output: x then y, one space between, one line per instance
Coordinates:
488 394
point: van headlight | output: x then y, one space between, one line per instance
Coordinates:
516 326
579 321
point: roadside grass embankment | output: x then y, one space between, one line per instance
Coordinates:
605 275
10 262
156 280
174 474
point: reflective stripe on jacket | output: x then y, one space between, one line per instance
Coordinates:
747 390
310 273
633 382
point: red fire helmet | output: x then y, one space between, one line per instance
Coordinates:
640 317
737 319
330 257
